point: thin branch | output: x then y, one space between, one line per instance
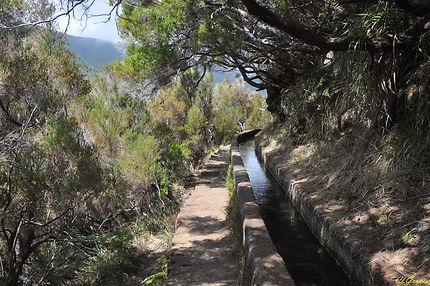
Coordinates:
201 78
109 14
247 79
67 13
50 221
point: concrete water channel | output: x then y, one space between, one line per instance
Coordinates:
307 261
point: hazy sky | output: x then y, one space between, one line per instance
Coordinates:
95 26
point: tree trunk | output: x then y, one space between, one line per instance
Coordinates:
12 278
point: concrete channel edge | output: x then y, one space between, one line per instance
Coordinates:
263 264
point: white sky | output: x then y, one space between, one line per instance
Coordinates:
95 26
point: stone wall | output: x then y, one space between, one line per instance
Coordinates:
263 264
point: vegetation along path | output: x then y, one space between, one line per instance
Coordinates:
202 251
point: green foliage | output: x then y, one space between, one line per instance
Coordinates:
283 4
140 59
49 172
139 160
195 123
234 217
126 251
81 160
175 157
177 151
381 19
64 136
121 253
112 259
229 181
172 31
236 109
71 163
162 23
359 81
158 272
106 120
50 177
258 116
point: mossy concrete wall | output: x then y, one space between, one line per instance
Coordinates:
263 264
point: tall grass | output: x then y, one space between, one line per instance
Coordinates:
233 218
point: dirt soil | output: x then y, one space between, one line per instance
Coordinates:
375 209
202 252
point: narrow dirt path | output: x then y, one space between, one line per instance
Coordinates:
202 251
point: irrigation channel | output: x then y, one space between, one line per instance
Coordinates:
307 261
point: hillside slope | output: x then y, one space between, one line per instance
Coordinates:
94 52
370 192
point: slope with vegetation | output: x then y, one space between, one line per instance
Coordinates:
94 52
91 174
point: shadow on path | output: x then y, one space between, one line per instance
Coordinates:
202 252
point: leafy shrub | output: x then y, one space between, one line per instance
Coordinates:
139 160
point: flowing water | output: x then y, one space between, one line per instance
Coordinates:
307 261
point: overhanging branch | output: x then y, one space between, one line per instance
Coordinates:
308 36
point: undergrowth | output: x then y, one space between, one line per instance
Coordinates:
158 272
130 255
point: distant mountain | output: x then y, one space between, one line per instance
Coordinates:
220 75
94 52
